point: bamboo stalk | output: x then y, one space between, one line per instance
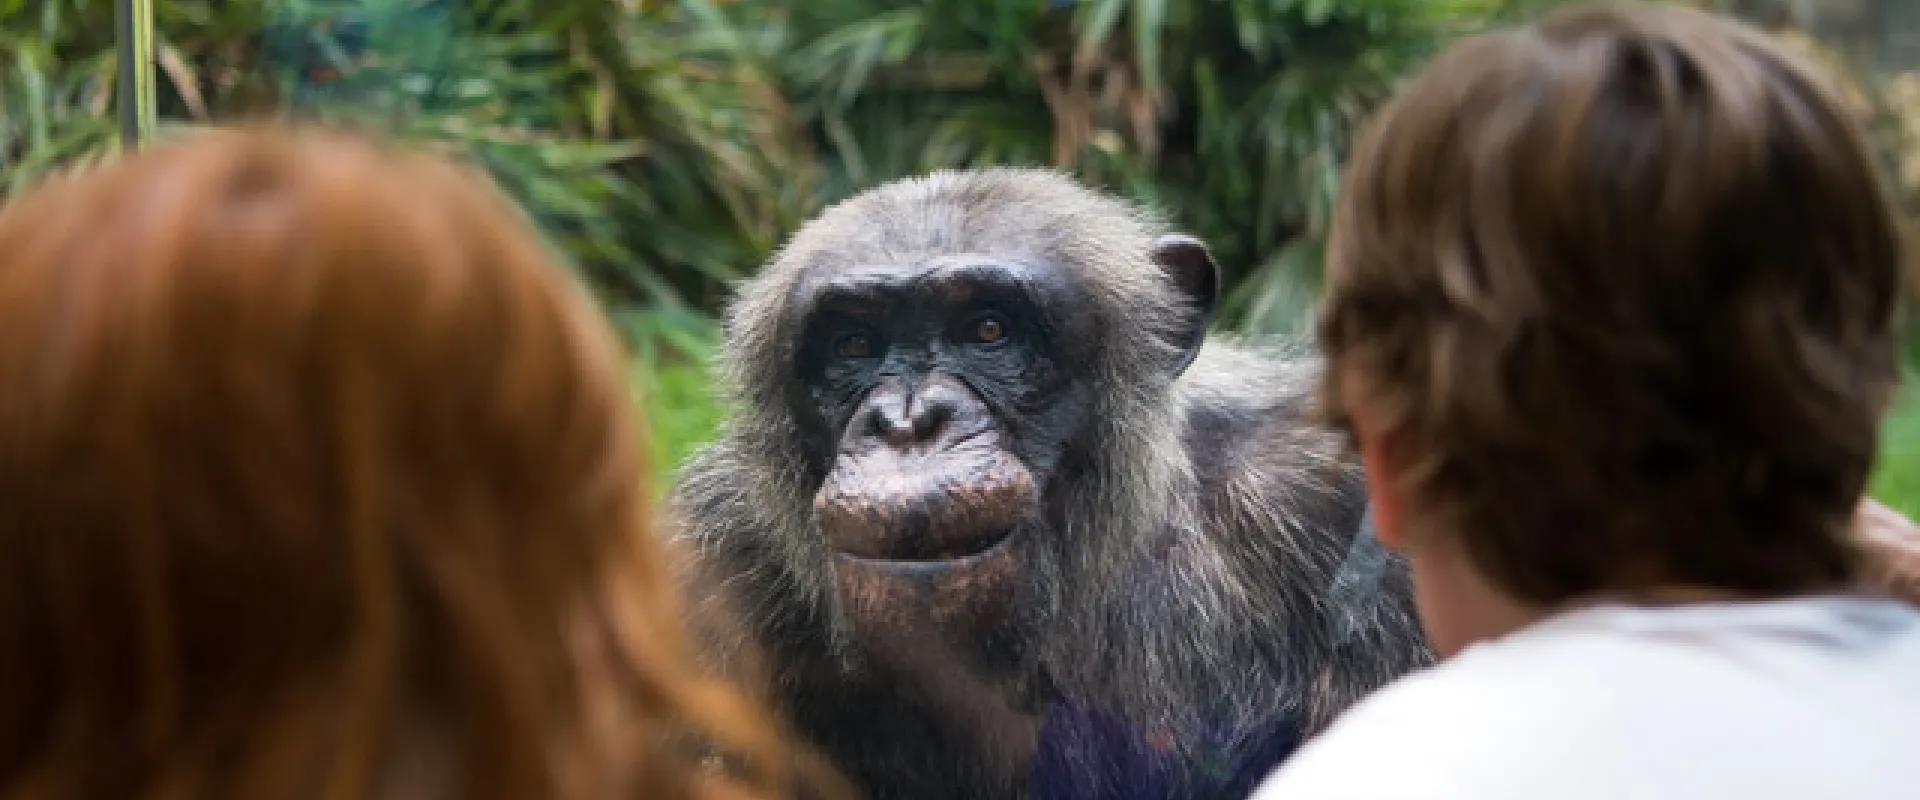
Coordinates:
133 22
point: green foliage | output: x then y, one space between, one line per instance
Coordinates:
55 101
1232 116
673 381
682 414
631 136
1897 479
667 147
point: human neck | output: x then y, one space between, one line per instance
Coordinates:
1458 606
1461 607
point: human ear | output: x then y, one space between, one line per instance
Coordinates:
1381 457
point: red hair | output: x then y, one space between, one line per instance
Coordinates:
320 478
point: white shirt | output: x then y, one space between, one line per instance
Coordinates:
1814 699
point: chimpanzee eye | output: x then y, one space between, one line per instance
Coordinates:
989 330
854 345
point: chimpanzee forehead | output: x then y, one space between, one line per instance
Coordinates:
957 279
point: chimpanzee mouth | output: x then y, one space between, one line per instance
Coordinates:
948 509
963 597
929 553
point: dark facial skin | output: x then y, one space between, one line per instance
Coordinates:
940 398
946 399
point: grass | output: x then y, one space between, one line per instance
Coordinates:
678 401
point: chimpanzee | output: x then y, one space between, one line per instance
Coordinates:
994 518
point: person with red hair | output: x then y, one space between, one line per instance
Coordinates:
320 478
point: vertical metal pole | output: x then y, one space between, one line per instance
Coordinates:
127 76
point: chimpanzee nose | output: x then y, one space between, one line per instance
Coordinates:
903 416
915 419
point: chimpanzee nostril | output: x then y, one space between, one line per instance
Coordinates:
883 423
922 422
930 419
895 430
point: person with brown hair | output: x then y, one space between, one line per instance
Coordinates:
1611 314
318 478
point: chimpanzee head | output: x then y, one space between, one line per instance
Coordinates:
966 369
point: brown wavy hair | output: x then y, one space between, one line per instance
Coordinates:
320 478
1623 284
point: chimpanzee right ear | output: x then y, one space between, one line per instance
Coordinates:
1187 261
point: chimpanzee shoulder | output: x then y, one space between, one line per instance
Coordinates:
1287 497
1247 404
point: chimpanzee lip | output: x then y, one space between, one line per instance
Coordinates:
964 599
992 544
941 508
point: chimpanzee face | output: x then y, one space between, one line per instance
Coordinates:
994 333
938 399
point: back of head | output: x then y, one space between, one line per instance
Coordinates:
320 480
1623 282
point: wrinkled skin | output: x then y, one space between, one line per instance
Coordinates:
942 391
921 509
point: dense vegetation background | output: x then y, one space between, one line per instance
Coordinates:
668 147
